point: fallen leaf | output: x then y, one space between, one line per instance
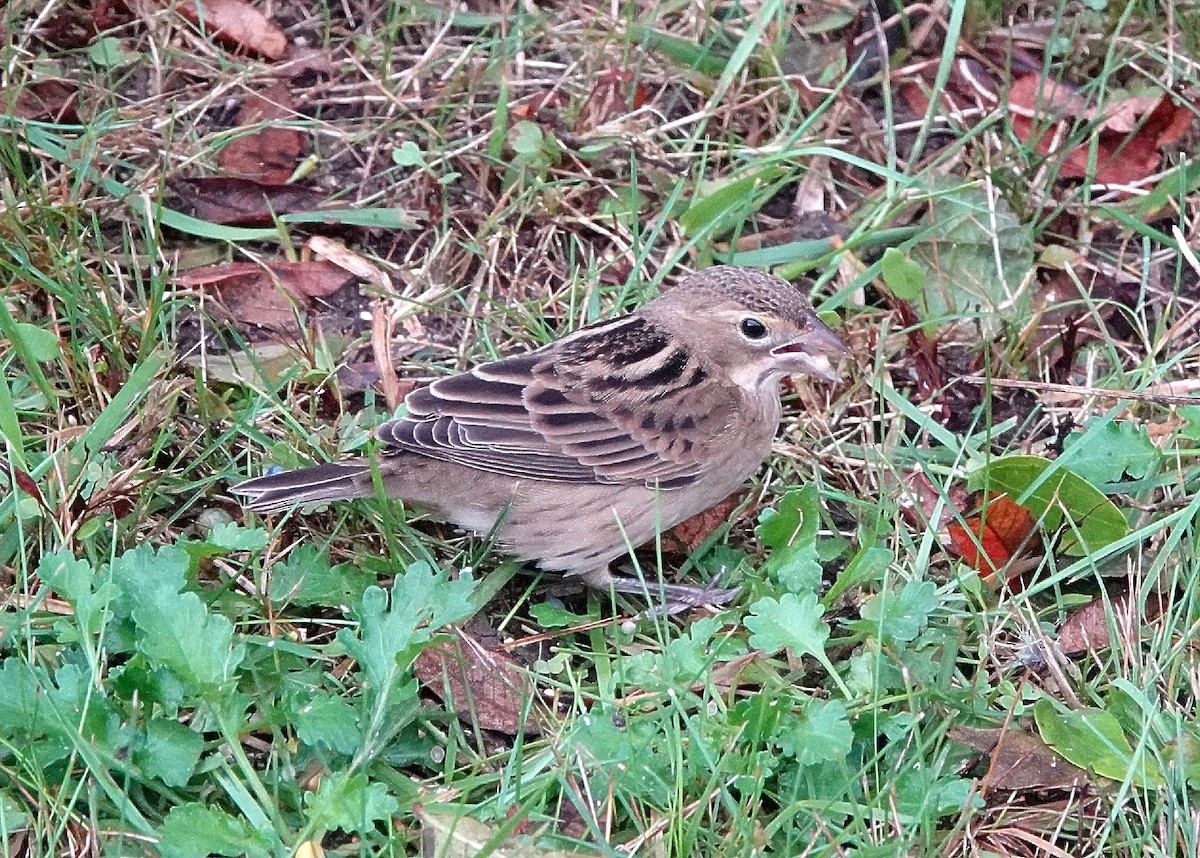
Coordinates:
449 833
1087 628
261 364
300 279
482 686
263 295
1130 133
45 101
233 201
1083 518
994 536
269 153
357 376
343 257
688 535
234 22
615 94
976 255
28 485
921 502
1019 761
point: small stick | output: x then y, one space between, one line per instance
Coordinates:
1071 389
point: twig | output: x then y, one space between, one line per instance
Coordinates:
1077 390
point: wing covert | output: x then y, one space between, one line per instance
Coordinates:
578 410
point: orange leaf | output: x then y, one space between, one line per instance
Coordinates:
993 538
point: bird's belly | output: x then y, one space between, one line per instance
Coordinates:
571 528
579 528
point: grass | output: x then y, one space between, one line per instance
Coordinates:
179 678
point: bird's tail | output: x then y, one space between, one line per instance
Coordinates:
278 492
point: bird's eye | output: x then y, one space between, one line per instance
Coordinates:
752 328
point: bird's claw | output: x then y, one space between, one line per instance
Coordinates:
675 598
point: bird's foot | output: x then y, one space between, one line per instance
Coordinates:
671 599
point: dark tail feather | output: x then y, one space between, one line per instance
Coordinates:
278 492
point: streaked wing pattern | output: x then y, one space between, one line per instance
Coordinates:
529 415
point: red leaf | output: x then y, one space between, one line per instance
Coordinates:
1130 133
26 484
991 539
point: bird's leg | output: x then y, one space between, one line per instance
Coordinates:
673 598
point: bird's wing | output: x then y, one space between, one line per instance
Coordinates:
614 403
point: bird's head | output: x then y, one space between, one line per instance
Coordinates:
756 326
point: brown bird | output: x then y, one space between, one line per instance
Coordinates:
579 450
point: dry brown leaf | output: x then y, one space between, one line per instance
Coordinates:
343 257
921 505
615 94
263 295
46 101
1020 760
236 22
300 279
688 535
482 686
242 202
1087 627
1131 134
449 833
268 154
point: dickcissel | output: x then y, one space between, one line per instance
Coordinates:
579 450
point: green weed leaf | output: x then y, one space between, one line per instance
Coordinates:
790 531
820 733
1061 496
898 617
904 277
1105 453
198 831
88 592
632 755
12 817
306 578
175 629
1093 739
41 343
168 751
421 603
350 803
409 154
792 621
108 52
976 256
234 537
330 722
722 204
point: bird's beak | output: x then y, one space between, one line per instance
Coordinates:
813 351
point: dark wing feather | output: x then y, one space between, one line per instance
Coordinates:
610 404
